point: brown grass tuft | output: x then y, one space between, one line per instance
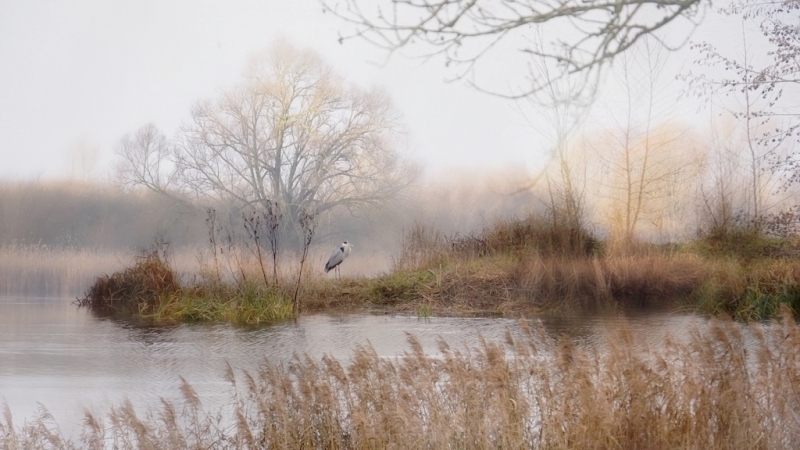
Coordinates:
133 290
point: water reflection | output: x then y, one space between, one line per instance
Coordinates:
64 358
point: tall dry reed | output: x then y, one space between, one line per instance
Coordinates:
724 385
615 282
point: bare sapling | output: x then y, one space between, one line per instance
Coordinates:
230 244
214 229
308 223
272 219
161 247
252 223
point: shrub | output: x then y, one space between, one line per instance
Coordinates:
745 243
133 290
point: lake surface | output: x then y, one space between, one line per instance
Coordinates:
53 353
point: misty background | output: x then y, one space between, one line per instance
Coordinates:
658 154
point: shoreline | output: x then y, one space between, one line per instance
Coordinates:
500 286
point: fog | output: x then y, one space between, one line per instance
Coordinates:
649 158
102 215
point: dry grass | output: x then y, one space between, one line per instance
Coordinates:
521 265
623 283
724 385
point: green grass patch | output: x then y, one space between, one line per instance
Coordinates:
753 291
247 303
150 291
400 286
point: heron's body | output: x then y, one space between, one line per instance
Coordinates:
338 255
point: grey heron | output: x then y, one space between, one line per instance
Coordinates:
336 258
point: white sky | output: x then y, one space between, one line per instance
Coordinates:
75 76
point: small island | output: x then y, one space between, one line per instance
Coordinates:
516 268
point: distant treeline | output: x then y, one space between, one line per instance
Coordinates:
98 215
104 215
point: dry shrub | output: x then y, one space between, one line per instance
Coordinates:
134 289
739 241
420 247
540 235
721 385
425 247
616 282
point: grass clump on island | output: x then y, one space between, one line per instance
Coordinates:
151 290
512 267
718 384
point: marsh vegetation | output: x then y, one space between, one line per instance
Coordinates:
511 268
637 212
723 384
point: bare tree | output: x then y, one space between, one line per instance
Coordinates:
83 159
146 160
557 112
292 133
720 192
587 34
759 90
643 157
764 86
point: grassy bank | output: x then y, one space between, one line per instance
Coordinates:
512 268
723 385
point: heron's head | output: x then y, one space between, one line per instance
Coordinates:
346 244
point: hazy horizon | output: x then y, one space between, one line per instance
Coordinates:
81 76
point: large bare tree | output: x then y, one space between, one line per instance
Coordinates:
292 133
583 35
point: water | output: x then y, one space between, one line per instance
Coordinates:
55 354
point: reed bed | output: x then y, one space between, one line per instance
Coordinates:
52 271
515 266
724 385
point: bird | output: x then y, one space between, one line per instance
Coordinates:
337 256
